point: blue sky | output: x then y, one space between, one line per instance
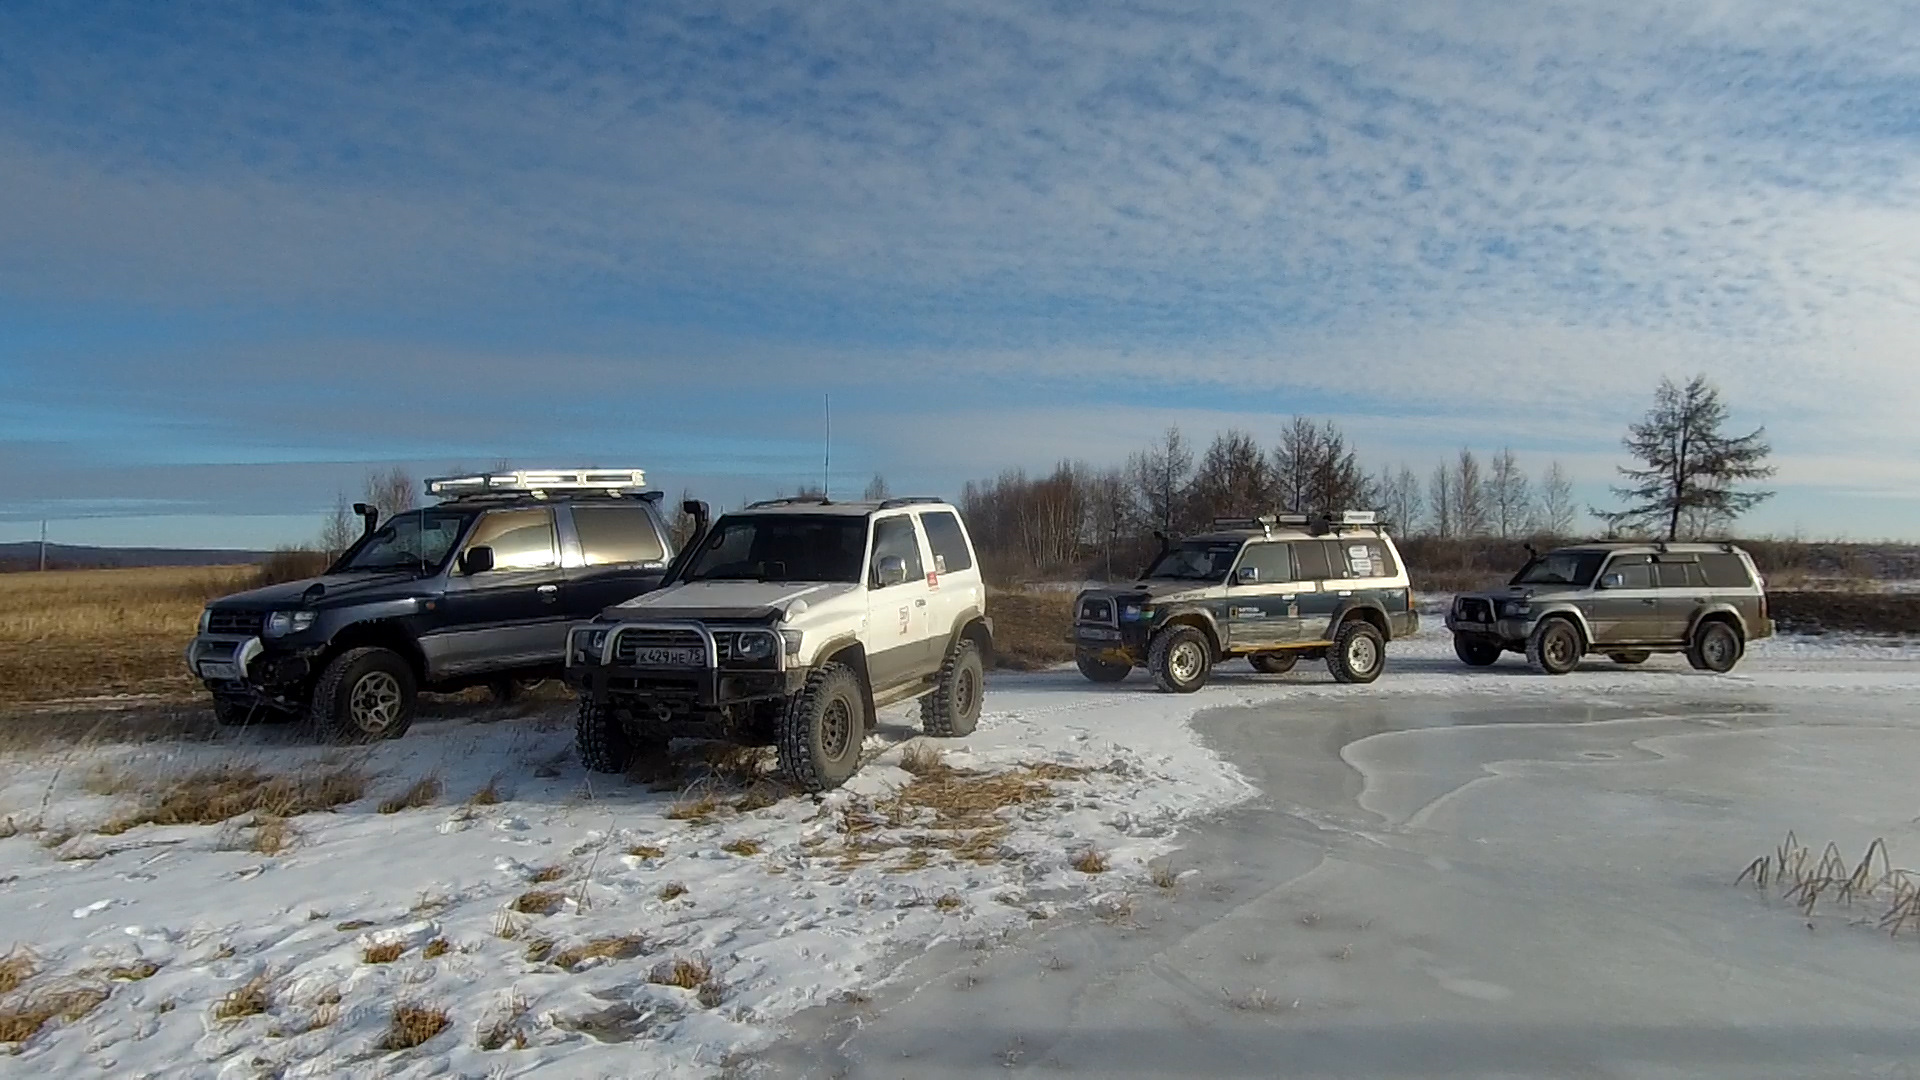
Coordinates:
248 252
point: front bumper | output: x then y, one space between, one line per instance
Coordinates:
683 688
1504 629
246 666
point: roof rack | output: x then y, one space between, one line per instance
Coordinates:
908 500
1316 524
792 500
538 482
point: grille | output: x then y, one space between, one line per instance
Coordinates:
1096 611
626 648
1472 610
239 623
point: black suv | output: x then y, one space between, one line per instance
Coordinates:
476 590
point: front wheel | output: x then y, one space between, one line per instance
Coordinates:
364 695
1476 652
1359 652
1098 670
953 708
1181 658
1273 663
1716 648
1554 647
820 736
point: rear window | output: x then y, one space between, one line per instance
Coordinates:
1725 572
948 542
1362 559
1675 575
1314 560
610 535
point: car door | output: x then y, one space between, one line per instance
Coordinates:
511 615
1626 606
1683 595
1319 583
953 582
897 611
620 554
1263 604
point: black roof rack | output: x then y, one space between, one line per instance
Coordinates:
908 500
792 500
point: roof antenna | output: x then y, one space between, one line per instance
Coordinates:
826 464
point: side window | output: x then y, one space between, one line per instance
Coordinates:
520 539
1362 559
1725 571
1274 562
1633 570
1310 559
610 535
895 536
948 542
1675 575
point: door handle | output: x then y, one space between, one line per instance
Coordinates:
1649 600
919 603
548 593
1289 596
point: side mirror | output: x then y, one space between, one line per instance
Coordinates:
1247 575
1613 581
892 570
477 560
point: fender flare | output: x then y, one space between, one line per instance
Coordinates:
1363 609
1716 611
972 622
1571 613
1192 615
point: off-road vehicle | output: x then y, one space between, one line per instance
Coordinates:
476 590
1624 600
789 623
1272 589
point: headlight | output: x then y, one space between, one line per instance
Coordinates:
587 645
752 648
1513 609
282 623
206 617
1130 612
790 639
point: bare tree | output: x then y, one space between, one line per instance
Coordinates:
1441 499
1556 516
1398 497
1469 496
1233 479
391 491
1316 472
1509 496
341 529
877 490
1689 468
1113 513
1295 461
1160 475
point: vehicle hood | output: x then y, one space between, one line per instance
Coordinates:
1153 590
729 600
335 589
1517 592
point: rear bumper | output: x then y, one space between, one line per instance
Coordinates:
1403 624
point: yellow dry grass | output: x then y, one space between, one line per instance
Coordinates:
384 953
742 847
22 1020
618 947
548 874
646 851
538 902
213 795
1030 628
250 999
436 948
15 968
683 972
413 1024
421 793
130 625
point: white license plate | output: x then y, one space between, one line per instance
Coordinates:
1094 633
214 670
670 657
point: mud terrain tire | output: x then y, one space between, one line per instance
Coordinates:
1180 659
1716 647
1474 652
1554 648
364 695
820 736
1359 652
953 709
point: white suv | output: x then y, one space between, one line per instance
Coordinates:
790 623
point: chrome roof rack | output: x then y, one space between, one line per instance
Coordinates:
1317 524
539 482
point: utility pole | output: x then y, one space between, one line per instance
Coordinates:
43 545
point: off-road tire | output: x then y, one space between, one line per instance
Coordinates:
1273 663
807 742
1476 652
356 688
1716 647
1180 649
602 739
1356 640
1098 670
1555 647
953 709
1629 658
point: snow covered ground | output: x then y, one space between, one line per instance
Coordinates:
774 908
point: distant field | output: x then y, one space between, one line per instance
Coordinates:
83 633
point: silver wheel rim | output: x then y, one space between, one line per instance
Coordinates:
1362 654
1184 662
374 703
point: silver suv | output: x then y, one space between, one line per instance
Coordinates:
1626 601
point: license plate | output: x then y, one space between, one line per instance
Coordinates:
670 657
1472 626
215 670
1094 633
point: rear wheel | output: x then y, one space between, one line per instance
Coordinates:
1554 647
1098 670
1629 658
820 736
1476 652
1273 663
1359 652
1716 647
364 695
953 708
1181 658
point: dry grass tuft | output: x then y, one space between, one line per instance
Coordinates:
1163 875
949 902
672 890
486 796
620 947
135 972
742 766
422 792
683 972
17 967
436 948
742 847
351 925
272 835
413 1024
250 999
1805 881
760 795
548 874
1091 861
711 994
646 851
505 1029
921 759
696 809
22 1020
538 949
538 902
213 795
383 953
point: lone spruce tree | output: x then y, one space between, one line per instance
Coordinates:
1689 467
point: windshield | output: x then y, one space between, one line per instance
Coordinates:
781 547
416 540
1196 560
1561 568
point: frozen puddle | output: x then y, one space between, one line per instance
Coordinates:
1465 886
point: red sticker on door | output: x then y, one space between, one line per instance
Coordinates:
933 579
